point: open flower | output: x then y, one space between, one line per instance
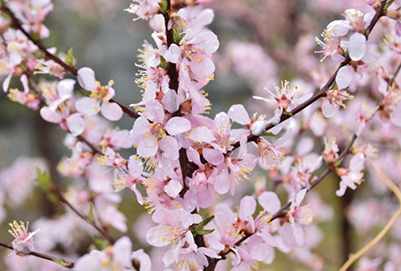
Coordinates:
351 176
23 242
99 97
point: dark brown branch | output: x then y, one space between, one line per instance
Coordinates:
62 262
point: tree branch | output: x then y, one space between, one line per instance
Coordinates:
59 261
71 69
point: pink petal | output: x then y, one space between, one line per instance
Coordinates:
143 258
122 139
213 156
140 126
156 111
122 251
172 54
111 111
135 166
238 114
202 134
344 77
269 201
76 124
50 115
177 125
171 101
173 188
222 184
6 82
357 46
65 88
87 106
147 147
170 148
86 78
155 236
328 109
24 81
247 208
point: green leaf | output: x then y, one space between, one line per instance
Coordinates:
163 6
86 92
53 198
177 36
204 232
388 4
43 180
207 221
268 134
90 212
163 63
337 162
35 36
287 113
198 230
70 57
59 261
100 243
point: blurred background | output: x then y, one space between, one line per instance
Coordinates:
278 34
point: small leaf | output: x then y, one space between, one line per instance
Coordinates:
53 198
43 179
207 221
163 6
388 4
100 243
163 63
35 36
199 228
204 232
268 134
59 261
287 113
70 57
86 92
177 36
337 162
90 212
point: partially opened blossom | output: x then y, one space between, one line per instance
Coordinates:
25 97
352 176
23 242
334 101
284 97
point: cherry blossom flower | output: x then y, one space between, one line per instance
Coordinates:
99 97
116 257
351 176
334 101
23 242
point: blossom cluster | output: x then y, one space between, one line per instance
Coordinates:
183 164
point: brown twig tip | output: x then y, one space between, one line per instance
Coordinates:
59 261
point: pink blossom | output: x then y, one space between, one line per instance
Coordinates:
23 242
116 257
351 176
99 98
284 97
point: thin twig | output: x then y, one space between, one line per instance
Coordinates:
353 257
59 261
322 92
